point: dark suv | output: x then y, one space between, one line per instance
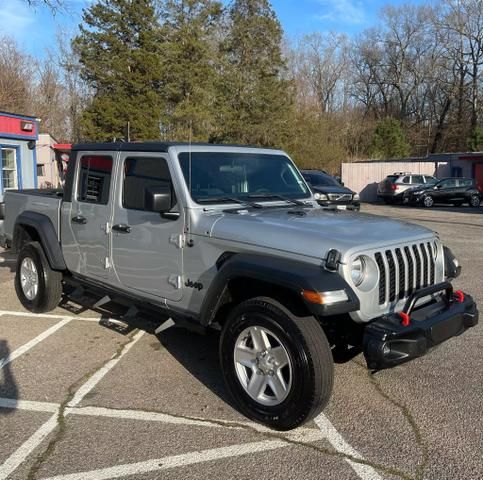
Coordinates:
329 192
448 190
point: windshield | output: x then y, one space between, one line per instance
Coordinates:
321 180
214 175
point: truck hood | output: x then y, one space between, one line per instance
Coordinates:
313 231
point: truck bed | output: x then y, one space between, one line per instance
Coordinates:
44 201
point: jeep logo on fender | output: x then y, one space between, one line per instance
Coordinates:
197 285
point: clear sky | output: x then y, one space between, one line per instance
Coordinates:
36 29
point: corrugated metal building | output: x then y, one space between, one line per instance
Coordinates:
18 162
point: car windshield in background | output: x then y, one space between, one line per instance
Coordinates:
320 180
215 176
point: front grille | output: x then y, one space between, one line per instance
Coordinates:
404 270
338 197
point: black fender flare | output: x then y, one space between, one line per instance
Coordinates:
47 237
294 275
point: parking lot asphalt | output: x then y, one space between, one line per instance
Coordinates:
80 399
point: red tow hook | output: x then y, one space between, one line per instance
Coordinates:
405 320
459 296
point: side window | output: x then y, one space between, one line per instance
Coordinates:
430 180
450 183
417 179
465 182
95 179
141 173
405 180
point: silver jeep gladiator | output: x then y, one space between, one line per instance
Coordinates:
231 238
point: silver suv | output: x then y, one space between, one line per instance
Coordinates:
231 238
391 189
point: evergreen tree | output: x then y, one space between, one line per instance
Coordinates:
475 141
189 62
389 140
255 100
118 49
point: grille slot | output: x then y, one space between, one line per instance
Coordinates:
404 270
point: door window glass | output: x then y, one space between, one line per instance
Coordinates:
95 179
417 179
9 168
141 173
405 180
449 183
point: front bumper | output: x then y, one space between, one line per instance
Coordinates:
353 206
387 342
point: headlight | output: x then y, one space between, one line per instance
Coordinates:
320 196
358 271
356 197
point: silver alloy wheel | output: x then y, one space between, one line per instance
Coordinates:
428 201
29 278
263 366
475 201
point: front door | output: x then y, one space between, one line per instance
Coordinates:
90 214
146 248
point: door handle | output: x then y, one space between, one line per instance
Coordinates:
79 219
121 228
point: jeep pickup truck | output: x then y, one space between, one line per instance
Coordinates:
232 238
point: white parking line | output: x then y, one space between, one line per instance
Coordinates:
35 341
365 472
48 315
175 461
30 406
21 454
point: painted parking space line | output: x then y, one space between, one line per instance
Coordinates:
365 472
32 343
21 454
29 406
175 461
13 313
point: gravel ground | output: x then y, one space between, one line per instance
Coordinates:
79 400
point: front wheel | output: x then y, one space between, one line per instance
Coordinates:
428 201
278 367
38 287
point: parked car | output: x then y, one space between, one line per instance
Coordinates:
231 238
391 189
456 191
329 192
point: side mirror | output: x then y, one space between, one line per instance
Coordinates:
159 198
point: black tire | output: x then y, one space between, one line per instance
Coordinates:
474 201
309 353
49 281
427 201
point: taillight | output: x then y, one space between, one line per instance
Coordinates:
394 186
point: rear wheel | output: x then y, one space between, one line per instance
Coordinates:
475 201
38 287
278 367
428 201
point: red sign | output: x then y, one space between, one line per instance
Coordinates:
20 127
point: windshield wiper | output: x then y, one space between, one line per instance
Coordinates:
229 199
268 196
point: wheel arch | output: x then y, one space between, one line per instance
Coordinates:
242 276
34 226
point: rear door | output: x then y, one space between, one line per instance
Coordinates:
86 242
146 249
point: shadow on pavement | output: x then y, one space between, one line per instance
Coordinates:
8 260
8 387
199 355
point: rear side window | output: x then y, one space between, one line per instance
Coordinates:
465 182
95 179
417 179
405 180
141 173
